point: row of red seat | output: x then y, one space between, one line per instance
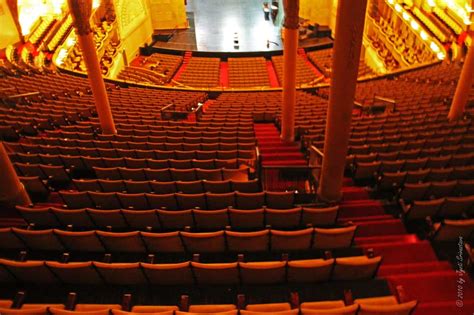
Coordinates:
158 187
87 162
430 190
140 242
82 152
436 167
178 201
160 136
172 144
172 220
190 273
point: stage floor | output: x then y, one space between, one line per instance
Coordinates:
213 25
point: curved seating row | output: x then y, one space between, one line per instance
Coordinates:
83 152
156 143
140 242
387 305
86 162
191 273
172 220
430 190
178 201
225 185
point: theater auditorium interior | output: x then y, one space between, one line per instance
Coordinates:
237 157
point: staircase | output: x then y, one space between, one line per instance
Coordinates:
302 53
224 74
407 260
272 75
187 56
275 154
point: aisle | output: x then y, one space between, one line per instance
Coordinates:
407 260
275 153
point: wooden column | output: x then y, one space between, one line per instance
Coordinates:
290 48
463 88
81 11
12 191
349 28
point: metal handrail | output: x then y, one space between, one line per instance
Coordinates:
312 148
23 95
308 172
384 99
166 107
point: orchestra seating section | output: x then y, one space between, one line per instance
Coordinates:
173 217
259 106
322 59
245 72
201 72
157 69
304 73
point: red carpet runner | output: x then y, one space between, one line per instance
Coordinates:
187 55
407 260
302 53
272 74
275 153
224 74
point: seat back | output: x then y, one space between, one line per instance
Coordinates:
334 237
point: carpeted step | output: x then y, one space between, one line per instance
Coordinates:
267 135
347 181
274 152
366 218
272 75
403 253
435 286
284 163
413 268
450 307
354 193
355 208
272 149
379 228
406 238
183 66
282 156
224 74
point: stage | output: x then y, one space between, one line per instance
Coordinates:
215 25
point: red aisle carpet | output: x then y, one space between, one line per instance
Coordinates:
272 74
187 55
224 74
407 261
137 62
302 53
273 151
